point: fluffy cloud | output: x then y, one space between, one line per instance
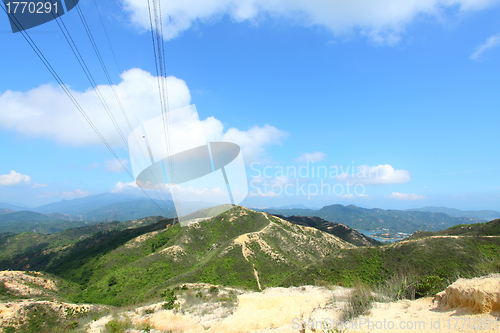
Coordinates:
115 165
47 112
381 20
376 175
14 178
491 42
124 187
312 157
251 142
407 196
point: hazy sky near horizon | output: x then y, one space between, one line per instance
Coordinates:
387 103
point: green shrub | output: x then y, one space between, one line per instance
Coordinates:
213 290
112 281
428 285
117 326
72 325
359 301
40 318
169 300
398 287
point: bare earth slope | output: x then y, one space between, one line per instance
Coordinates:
313 309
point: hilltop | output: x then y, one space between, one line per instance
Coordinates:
340 230
491 228
240 247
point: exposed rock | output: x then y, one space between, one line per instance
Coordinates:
27 285
479 295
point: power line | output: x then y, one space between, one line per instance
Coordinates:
110 81
52 71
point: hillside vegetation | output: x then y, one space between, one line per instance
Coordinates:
491 228
429 261
126 263
238 248
340 230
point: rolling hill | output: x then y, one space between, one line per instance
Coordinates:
478 214
123 263
239 247
491 228
379 219
337 229
5 205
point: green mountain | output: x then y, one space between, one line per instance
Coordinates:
136 209
14 246
122 263
478 214
238 248
110 206
491 228
337 229
438 258
5 211
379 219
26 220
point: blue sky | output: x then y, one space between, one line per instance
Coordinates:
408 92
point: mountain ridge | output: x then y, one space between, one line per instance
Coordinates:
380 219
479 214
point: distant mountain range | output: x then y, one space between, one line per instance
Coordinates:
66 214
380 219
58 216
487 215
5 205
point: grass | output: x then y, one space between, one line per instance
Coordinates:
359 301
117 325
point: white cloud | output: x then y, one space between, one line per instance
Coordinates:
251 142
376 175
491 42
123 187
381 20
75 194
47 112
115 165
407 196
36 185
312 157
14 178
